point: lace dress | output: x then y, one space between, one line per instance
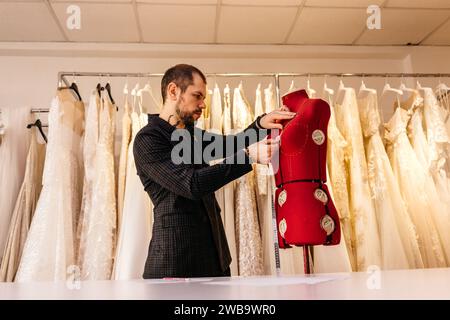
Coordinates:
48 254
367 239
399 247
417 189
91 136
99 229
438 142
337 161
248 234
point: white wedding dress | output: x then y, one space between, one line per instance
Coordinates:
417 189
48 254
123 160
438 143
228 213
367 239
91 135
24 207
137 218
338 154
248 235
399 247
13 154
99 226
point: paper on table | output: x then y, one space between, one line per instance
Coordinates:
177 280
276 281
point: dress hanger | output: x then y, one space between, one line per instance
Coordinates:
292 86
148 88
327 91
108 89
74 88
311 92
341 89
387 88
404 88
364 89
125 87
38 124
326 88
134 93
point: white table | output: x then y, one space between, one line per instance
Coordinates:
401 284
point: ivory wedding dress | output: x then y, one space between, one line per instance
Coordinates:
48 254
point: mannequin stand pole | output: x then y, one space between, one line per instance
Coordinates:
306 259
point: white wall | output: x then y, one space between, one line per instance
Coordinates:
28 71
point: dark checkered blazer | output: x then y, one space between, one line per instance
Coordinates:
188 238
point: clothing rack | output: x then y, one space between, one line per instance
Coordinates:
276 76
62 76
36 110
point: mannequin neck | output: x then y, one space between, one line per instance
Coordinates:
294 100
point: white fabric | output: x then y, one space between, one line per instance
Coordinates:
417 189
438 142
399 247
100 226
247 226
137 220
228 192
48 254
13 154
367 246
338 154
24 208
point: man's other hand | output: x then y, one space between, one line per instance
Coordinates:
272 119
262 151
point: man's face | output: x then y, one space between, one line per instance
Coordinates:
191 103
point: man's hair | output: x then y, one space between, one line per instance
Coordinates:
182 76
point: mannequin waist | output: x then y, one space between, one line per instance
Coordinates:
282 183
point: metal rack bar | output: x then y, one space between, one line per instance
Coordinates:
63 74
360 75
37 110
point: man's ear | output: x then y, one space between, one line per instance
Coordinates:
172 91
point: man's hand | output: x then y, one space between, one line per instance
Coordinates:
271 120
262 151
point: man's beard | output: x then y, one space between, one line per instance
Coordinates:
186 118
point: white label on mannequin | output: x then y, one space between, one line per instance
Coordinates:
327 224
318 137
282 197
282 227
320 195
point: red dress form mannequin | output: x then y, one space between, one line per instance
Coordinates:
305 211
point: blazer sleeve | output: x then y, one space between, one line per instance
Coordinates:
227 145
152 156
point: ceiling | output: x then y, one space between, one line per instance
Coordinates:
296 22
